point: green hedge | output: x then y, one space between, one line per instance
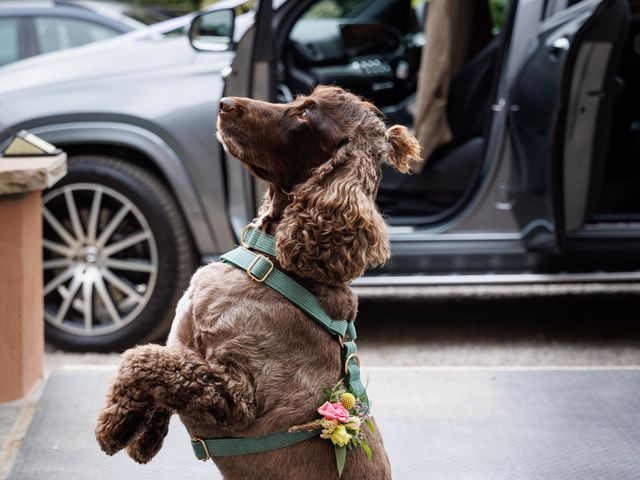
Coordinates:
323 9
180 6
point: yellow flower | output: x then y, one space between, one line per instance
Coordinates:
328 426
353 423
348 401
340 437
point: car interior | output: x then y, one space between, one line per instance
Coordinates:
616 184
374 49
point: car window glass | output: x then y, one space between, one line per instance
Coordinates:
334 8
55 33
8 40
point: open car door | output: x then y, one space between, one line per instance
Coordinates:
561 107
251 75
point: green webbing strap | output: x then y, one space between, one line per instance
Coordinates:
351 331
227 447
256 239
261 269
352 370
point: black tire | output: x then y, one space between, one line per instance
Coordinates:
172 265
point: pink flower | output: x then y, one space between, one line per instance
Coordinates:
334 411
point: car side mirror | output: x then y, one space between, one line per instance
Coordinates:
213 31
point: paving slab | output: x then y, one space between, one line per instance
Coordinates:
437 424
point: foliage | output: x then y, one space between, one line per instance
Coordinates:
176 6
333 8
499 10
321 9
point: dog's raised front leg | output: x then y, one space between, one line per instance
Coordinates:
149 442
155 381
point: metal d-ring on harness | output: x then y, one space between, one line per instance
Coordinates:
262 270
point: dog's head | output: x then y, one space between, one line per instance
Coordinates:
324 150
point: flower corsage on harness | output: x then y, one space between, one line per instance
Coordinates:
343 417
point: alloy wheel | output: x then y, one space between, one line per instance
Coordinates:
100 259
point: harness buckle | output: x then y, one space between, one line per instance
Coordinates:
243 234
253 264
204 447
346 362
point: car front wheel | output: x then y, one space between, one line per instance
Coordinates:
117 256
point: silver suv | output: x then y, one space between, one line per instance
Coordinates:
522 191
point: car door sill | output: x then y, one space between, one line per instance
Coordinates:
495 279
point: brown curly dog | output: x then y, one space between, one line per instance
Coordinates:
241 360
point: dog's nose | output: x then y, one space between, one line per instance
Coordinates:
227 105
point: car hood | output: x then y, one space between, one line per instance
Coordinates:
95 62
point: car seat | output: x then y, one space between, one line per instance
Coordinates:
449 170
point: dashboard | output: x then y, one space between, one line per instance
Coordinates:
367 57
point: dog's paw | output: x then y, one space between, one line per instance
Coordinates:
116 428
149 442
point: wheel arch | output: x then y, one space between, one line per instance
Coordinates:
143 148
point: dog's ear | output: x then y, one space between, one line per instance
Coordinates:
404 154
332 231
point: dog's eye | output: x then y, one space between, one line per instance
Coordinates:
305 113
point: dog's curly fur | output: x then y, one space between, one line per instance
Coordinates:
241 360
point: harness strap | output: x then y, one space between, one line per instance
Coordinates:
352 371
256 239
262 270
227 447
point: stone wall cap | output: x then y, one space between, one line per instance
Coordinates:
28 174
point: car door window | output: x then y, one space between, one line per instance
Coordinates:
56 33
9 51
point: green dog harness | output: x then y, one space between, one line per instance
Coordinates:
262 270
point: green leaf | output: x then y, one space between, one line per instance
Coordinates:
370 425
367 450
327 394
341 457
335 394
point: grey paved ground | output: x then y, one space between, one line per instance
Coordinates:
437 328
482 425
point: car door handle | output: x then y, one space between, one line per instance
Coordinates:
226 72
559 46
